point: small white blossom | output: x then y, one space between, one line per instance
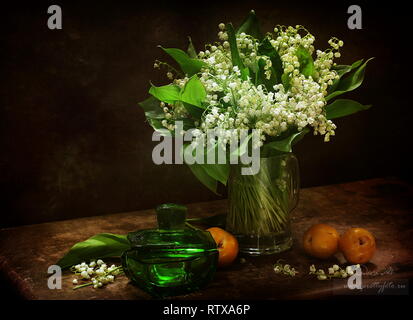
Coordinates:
349 270
100 272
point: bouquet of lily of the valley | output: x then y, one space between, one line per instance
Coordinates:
267 89
277 84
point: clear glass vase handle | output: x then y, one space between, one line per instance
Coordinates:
293 181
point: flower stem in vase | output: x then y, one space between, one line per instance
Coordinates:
260 204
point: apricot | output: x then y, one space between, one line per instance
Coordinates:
227 246
321 241
358 245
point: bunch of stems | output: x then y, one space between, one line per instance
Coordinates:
259 205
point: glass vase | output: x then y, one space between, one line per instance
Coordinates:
260 205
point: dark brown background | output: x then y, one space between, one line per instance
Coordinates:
74 142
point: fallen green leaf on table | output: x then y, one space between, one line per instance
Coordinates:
103 245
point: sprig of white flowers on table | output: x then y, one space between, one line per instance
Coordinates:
96 273
285 269
333 272
278 84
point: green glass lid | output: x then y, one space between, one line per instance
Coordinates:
171 216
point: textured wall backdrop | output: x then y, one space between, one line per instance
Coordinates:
74 142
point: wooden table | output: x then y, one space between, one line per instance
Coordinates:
383 206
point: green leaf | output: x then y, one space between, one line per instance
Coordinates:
187 122
154 115
151 104
251 26
243 146
235 57
300 136
191 49
194 111
152 108
209 174
286 81
306 61
267 49
169 93
198 170
103 245
253 69
343 107
194 92
245 73
285 144
190 66
341 71
351 82
158 127
260 77
219 172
